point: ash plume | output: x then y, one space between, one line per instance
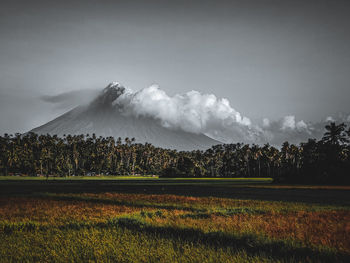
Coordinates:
191 112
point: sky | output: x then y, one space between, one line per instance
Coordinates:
269 58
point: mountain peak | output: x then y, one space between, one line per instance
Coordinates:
114 84
103 119
109 94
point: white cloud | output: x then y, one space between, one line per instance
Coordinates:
301 125
288 122
193 112
266 122
205 113
330 119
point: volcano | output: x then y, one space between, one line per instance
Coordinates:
105 118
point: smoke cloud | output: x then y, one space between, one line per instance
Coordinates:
205 113
71 99
192 112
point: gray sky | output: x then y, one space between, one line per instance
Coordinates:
269 58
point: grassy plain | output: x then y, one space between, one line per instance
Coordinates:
143 178
172 221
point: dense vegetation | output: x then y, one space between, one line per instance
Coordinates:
323 161
116 227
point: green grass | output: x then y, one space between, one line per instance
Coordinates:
131 239
72 178
146 177
114 244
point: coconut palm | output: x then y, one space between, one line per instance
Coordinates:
335 134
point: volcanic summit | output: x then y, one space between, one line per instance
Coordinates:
104 117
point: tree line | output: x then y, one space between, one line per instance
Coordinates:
315 161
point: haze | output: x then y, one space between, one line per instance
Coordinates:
268 58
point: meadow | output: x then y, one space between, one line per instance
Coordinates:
154 220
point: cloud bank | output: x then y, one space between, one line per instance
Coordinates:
205 113
192 112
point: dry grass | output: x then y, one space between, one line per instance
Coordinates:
55 212
313 226
327 228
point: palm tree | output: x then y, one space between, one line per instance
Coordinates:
5 153
335 134
256 151
348 133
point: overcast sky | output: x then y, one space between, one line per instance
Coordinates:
268 58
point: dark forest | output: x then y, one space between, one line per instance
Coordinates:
315 161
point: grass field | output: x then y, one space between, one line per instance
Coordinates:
169 220
152 178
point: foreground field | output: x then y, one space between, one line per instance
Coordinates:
139 226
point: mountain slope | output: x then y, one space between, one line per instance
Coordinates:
104 119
